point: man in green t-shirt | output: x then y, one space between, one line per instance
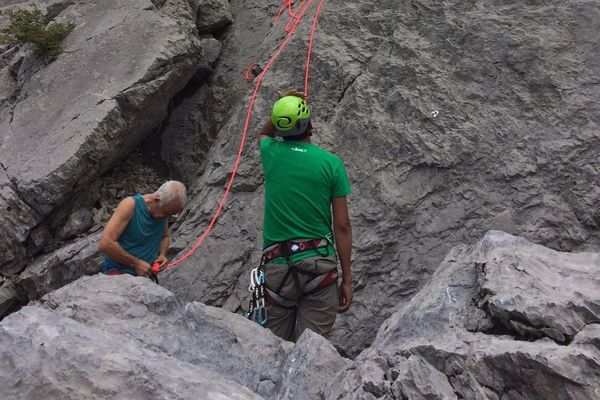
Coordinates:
304 185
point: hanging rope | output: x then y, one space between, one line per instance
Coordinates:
295 19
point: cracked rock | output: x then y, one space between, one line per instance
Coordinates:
451 118
128 331
113 94
432 354
78 222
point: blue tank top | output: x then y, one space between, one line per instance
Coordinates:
141 238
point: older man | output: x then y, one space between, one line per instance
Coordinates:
137 234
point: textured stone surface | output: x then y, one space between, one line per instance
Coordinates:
453 118
113 92
36 341
78 222
429 347
188 136
119 334
309 368
9 297
537 292
213 15
64 265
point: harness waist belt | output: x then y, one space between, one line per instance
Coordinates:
290 247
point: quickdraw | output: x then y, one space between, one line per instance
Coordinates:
257 311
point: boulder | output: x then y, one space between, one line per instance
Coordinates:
77 223
447 344
213 15
60 267
535 292
107 335
35 342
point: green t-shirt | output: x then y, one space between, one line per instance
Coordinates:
301 179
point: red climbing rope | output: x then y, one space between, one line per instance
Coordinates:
290 29
310 45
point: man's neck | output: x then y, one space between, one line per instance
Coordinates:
150 203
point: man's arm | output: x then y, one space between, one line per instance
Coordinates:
164 247
268 130
113 230
342 230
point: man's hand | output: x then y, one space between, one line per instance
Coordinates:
162 262
142 268
345 297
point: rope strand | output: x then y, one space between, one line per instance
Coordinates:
290 29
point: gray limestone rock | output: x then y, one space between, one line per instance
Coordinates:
77 223
50 356
425 348
40 235
64 265
17 218
135 331
9 297
213 15
312 362
188 137
110 88
417 379
590 335
452 118
554 294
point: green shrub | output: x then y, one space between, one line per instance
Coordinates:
31 26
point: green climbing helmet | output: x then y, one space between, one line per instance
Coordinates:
290 116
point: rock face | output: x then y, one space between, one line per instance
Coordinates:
127 337
52 271
452 118
110 89
211 99
463 335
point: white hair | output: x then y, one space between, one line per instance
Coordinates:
170 191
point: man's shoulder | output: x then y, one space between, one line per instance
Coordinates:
266 140
127 205
128 202
328 155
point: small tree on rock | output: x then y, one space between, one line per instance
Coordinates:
31 26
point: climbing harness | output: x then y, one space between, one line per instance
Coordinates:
316 282
262 294
257 311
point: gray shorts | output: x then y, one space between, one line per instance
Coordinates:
305 299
